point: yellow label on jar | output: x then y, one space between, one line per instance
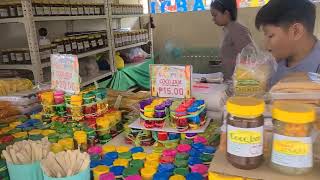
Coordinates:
245 137
297 148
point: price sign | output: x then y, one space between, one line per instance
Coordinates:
65 73
171 81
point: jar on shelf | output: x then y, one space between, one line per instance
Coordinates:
67 45
39 7
54 49
102 9
5 56
12 56
61 5
54 8
97 9
80 46
93 42
124 38
292 151
60 46
67 8
80 6
45 52
46 8
245 132
20 56
99 41
13 9
113 9
4 10
86 43
104 38
74 46
26 56
74 8
116 39
86 9
91 8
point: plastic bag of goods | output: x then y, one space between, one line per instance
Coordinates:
253 72
12 85
135 55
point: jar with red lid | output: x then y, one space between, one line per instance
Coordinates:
162 136
181 122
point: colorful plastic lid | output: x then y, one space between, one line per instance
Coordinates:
194 153
181 163
200 139
167 159
94 163
293 113
111 155
209 150
206 157
177 177
121 149
117 170
198 146
107 161
121 162
184 148
151 164
108 148
148 172
153 157
194 160
193 176
107 176
130 171
161 176
101 169
136 149
165 168
125 155
182 156
245 107
181 171
95 150
133 177
199 168
169 152
139 155
137 163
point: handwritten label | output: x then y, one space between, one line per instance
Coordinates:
292 151
65 73
245 142
171 81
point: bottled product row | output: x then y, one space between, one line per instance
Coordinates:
124 38
11 9
71 44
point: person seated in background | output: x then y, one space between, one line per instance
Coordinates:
288 27
236 36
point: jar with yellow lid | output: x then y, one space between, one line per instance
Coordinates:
153 157
121 162
67 143
139 156
19 136
292 151
147 173
149 111
108 148
177 177
81 140
245 132
99 170
103 126
151 164
122 149
47 132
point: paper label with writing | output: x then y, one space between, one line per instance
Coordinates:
293 152
245 142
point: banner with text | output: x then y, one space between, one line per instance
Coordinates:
65 73
170 80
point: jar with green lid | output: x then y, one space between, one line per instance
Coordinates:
179 163
182 156
46 8
99 40
67 45
206 158
93 42
4 10
138 164
74 46
181 171
125 155
74 9
86 43
12 56
60 46
80 45
26 56
80 7
5 56
130 171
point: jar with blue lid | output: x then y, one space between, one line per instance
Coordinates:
194 160
162 176
194 153
111 155
107 162
117 171
193 176
166 168
136 150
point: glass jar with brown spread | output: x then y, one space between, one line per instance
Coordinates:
93 42
74 45
4 10
13 9
26 56
60 46
67 45
5 56
54 49
67 8
79 40
80 9
124 38
99 41
46 8
245 132
86 43
12 56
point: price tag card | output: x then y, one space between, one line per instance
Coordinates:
65 73
171 80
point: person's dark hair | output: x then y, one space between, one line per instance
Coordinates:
226 5
43 32
286 12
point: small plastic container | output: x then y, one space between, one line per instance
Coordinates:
147 173
108 148
292 152
99 170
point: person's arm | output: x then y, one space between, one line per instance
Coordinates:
241 37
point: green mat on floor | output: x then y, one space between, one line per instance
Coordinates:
130 76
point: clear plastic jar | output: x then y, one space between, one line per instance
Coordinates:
292 151
54 8
67 8
86 43
93 42
99 40
80 46
245 132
